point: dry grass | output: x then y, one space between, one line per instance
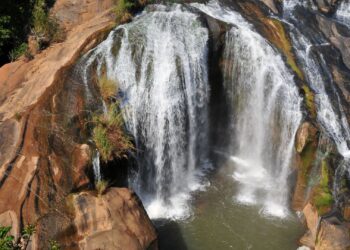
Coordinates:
109 136
108 88
101 187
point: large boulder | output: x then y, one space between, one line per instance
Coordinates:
114 220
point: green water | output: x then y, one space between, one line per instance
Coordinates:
219 223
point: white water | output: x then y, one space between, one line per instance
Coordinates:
97 166
343 12
334 124
160 63
265 114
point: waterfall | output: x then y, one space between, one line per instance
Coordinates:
330 113
266 113
343 12
97 166
160 64
331 118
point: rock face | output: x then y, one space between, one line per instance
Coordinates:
44 155
324 233
115 220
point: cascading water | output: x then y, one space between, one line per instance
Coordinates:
97 167
160 64
265 113
343 12
329 114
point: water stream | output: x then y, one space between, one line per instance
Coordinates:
160 64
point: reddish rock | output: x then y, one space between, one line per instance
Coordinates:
115 220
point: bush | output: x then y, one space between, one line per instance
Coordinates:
45 28
108 134
108 88
19 51
101 187
53 245
122 10
6 240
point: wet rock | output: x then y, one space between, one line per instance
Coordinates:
115 220
326 6
338 35
332 236
81 161
271 5
306 145
305 134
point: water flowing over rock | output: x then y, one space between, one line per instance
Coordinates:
160 64
265 113
343 12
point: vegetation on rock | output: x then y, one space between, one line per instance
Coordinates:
7 241
101 187
17 19
108 88
323 198
108 134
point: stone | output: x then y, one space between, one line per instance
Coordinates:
114 220
332 237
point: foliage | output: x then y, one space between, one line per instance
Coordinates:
19 51
53 245
108 87
6 240
122 10
17 20
45 27
101 186
28 231
108 134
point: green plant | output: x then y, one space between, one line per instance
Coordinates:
101 187
53 245
45 27
108 88
28 231
19 51
108 134
122 10
102 142
6 240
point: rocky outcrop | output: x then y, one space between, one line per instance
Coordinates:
44 151
114 220
306 146
324 233
337 35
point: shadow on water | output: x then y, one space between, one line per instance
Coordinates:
170 235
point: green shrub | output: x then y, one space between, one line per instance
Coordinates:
108 134
101 187
53 245
45 27
102 142
19 51
122 10
6 240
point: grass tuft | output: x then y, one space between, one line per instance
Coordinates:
108 88
101 187
109 136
